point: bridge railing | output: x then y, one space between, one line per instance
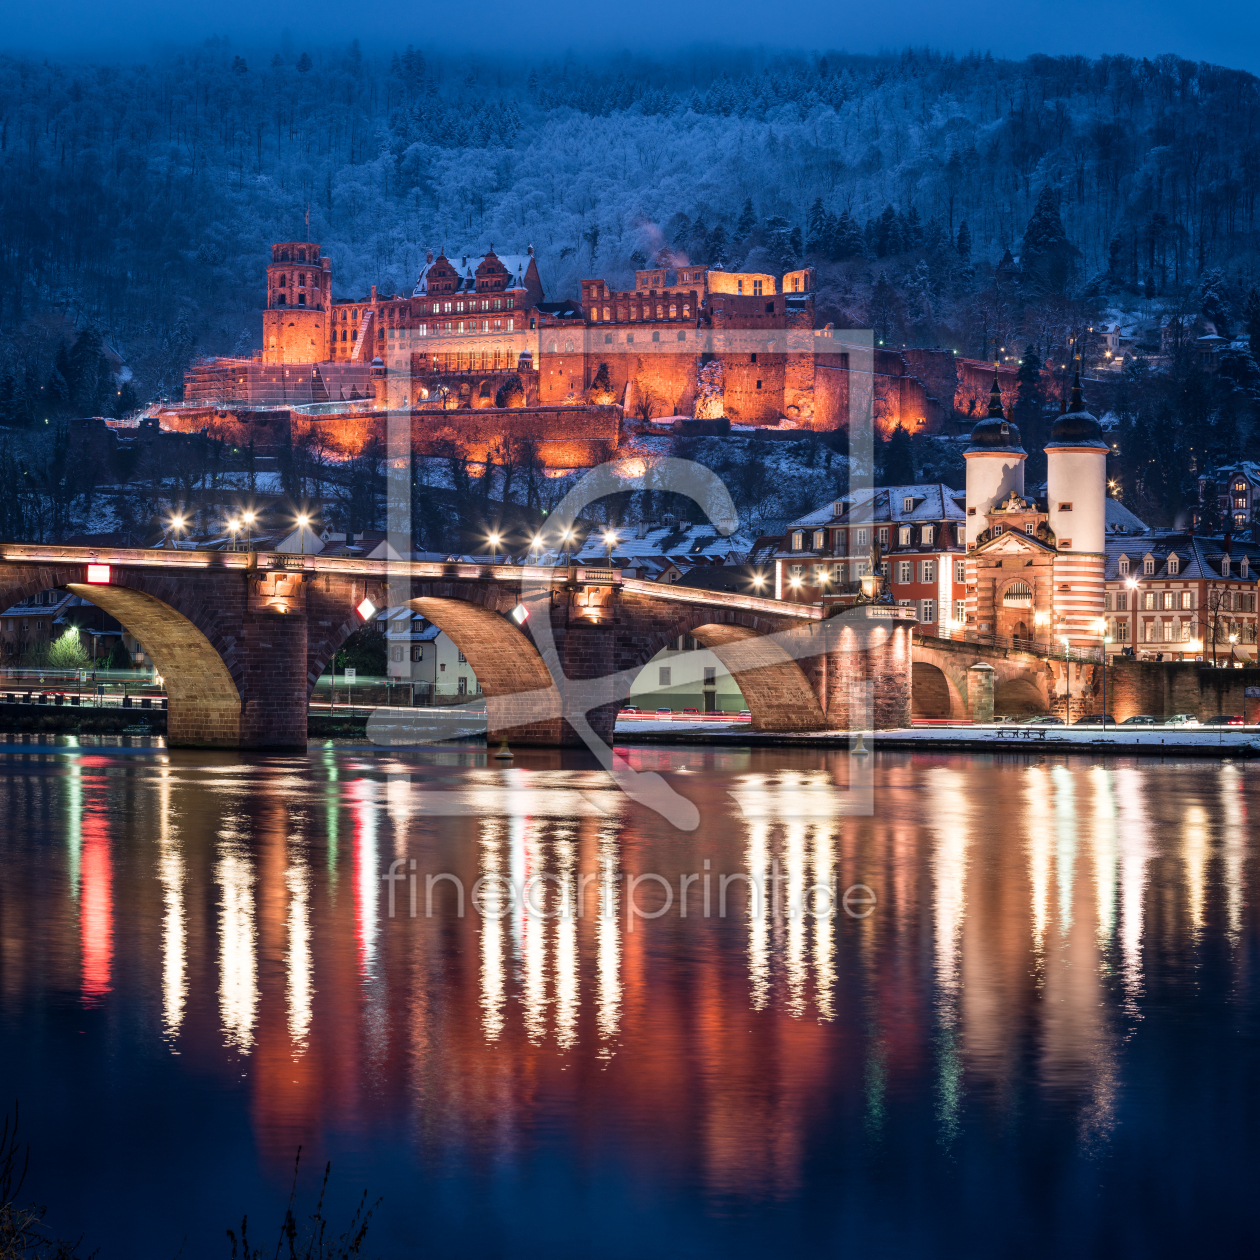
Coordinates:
1046 648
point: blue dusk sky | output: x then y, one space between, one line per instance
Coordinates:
1227 33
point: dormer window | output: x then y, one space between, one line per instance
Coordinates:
903 536
1148 565
798 539
1174 566
1225 567
927 535
907 504
1124 566
1244 568
837 508
820 539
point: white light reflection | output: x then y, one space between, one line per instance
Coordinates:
758 858
1106 853
367 874
1194 854
1135 854
824 923
1066 823
608 943
794 869
1036 791
174 945
1234 846
238 986
494 901
299 963
533 930
952 824
567 994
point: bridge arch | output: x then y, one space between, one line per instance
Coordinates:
933 694
204 700
775 687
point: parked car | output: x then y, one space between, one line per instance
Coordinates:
745 713
1228 719
664 711
1046 719
689 712
629 708
1095 719
1142 719
1182 719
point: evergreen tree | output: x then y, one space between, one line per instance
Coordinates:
715 250
963 244
795 244
887 234
912 234
305 64
1031 414
1251 320
747 221
898 454
816 228
1047 259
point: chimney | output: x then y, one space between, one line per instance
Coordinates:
373 297
428 256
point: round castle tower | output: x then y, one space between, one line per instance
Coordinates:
1076 498
296 321
995 464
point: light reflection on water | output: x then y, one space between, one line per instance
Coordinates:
1044 933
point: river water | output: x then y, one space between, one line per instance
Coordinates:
1028 1028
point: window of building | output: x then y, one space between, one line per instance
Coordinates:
1124 566
1030 527
927 610
1148 600
907 504
1122 601
903 536
1122 632
1065 507
820 539
396 654
665 673
862 538
1148 631
929 533
1187 599
798 539
710 675
758 384
656 336
905 571
1244 568
1225 567
1174 565
1168 598
960 571
1170 631
998 529
1107 602
1185 632
462 658
1148 565
756 288
882 535
929 570
960 611
682 336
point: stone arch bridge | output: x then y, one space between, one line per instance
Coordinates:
1020 679
241 638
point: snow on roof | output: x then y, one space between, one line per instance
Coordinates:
466 268
687 541
933 502
1120 520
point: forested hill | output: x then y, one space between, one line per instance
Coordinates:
141 198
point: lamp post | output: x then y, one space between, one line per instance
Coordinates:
248 518
177 526
233 526
1067 675
1106 640
494 542
302 521
610 541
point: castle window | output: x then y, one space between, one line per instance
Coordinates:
509 304
459 307
1065 507
769 308
607 314
511 324
568 347
280 300
551 348
752 359
660 311
301 255
758 384
446 310
354 334
283 277
301 299
302 280
686 310
498 304
682 336
673 312
656 336
629 339
756 288
608 339
739 286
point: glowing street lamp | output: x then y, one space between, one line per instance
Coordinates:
1067 674
610 541
302 522
233 526
494 542
248 518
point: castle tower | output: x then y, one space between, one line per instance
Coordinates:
299 295
995 464
1076 498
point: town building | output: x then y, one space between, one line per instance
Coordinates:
424 659
1238 494
911 536
1182 597
686 675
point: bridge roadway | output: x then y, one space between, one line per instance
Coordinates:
241 638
